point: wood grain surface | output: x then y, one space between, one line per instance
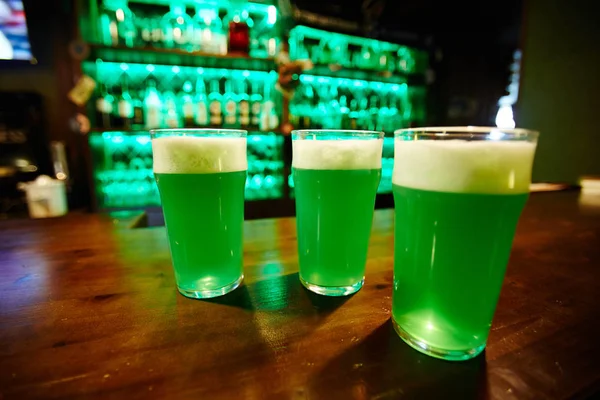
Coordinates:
89 309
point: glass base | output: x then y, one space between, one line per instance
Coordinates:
448 355
333 290
207 294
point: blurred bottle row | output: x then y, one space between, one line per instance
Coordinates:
323 47
183 97
124 177
207 27
333 103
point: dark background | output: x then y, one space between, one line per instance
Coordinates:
470 43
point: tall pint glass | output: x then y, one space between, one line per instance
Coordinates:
201 175
458 195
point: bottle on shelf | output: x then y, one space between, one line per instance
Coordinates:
171 115
138 110
104 107
405 60
268 116
244 104
354 114
209 33
116 24
230 106
186 103
152 106
263 35
125 103
256 100
373 113
178 27
116 120
215 100
144 26
201 103
238 22
201 21
333 108
393 121
384 114
344 113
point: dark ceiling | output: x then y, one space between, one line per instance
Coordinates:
471 21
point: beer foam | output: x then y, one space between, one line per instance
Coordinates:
459 166
199 155
337 154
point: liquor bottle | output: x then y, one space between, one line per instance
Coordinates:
373 112
308 114
393 120
384 114
104 107
209 34
268 116
152 106
354 114
230 109
214 104
178 27
263 42
239 22
156 33
321 117
256 100
125 104
406 61
202 33
145 27
171 115
244 104
138 110
116 25
333 109
344 113
186 103
201 103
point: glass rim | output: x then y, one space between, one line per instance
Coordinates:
466 131
340 132
155 133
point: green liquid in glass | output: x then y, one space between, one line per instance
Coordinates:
451 251
204 215
334 210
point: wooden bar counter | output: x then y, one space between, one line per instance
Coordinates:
89 309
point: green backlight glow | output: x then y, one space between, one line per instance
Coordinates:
354 52
360 83
306 31
110 72
124 178
255 8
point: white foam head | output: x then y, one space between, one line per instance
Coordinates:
337 154
459 166
199 155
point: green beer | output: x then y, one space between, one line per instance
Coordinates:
333 237
336 176
201 182
457 206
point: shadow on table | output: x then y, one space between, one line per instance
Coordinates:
279 293
382 366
